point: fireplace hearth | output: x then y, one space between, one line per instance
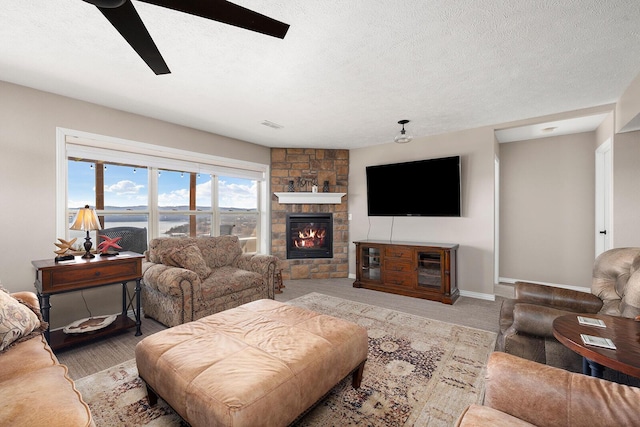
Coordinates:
309 235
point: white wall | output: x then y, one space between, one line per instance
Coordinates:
473 231
547 209
28 121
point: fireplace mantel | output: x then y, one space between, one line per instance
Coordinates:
309 198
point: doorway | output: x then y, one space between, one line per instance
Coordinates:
604 190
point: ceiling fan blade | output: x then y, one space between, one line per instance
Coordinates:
227 13
126 20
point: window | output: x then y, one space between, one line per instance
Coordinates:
171 196
118 192
184 204
238 202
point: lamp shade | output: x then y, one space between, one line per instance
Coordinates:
403 136
86 220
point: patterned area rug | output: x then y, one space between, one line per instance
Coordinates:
419 372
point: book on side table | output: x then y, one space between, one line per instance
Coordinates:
597 341
590 321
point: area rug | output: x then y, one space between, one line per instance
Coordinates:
419 372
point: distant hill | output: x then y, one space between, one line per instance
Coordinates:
129 217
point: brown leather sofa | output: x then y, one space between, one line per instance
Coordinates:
526 321
35 389
524 393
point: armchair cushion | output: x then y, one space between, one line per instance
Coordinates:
17 321
567 299
189 257
535 319
227 280
616 281
220 251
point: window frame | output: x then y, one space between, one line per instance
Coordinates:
74 143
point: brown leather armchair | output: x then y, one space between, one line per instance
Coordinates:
526 321
524 393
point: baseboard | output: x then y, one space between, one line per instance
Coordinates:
555 285
477 295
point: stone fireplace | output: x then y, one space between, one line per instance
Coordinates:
305 167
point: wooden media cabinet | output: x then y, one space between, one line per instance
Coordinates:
422 270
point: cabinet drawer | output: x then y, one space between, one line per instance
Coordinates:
398 264
398 252
92 275
398 278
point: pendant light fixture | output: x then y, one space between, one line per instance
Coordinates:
403 137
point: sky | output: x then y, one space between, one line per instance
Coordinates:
128 186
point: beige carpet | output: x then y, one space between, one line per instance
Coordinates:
419 372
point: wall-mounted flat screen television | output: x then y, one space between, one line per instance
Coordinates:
422 188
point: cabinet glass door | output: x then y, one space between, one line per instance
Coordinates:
370 263
430 270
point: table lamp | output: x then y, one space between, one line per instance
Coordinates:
86 220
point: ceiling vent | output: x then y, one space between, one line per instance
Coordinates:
272 125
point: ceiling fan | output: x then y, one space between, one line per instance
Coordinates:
124 17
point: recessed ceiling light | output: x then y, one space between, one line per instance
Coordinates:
550 129
272 124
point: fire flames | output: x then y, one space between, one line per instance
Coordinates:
310 237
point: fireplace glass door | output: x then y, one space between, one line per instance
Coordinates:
309 235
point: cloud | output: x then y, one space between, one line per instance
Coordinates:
232 195
125 187
174 198
238 195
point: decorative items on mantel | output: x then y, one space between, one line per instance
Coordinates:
310 198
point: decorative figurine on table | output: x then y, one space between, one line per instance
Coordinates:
107 243
64 250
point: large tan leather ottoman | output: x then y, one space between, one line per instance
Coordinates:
261 364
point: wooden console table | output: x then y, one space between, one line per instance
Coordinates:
78 274
624 332
422 270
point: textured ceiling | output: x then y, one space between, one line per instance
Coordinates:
346 72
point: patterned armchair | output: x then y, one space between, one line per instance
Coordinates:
185 279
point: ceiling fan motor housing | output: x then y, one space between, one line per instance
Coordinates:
109 4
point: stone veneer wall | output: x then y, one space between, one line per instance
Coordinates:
290 164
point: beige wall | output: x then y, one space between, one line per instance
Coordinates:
473 231
626 173
28 121
547 209
626 189
628 108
